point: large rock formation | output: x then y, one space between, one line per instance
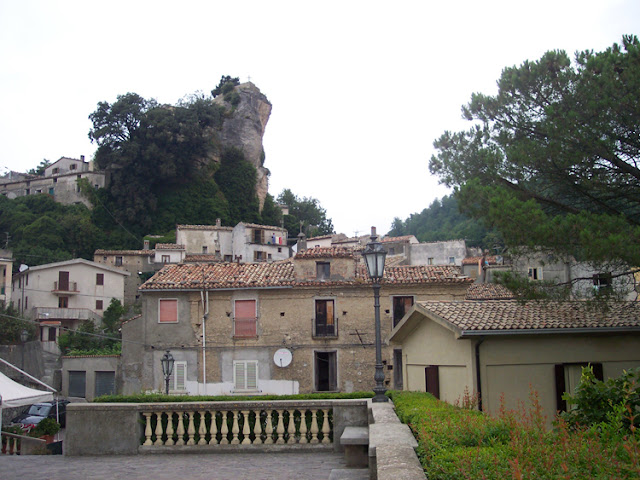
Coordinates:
244 129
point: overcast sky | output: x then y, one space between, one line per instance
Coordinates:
360 89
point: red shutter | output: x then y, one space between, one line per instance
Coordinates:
168 311
245 309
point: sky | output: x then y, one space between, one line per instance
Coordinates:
360 89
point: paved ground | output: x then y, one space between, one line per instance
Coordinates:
238 466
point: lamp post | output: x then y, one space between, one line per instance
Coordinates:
24 336
374 256
167 368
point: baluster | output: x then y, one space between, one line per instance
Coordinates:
245 428
314 426
191 430
169 429
202 430
235 429
291 429
224 429
159 429
213 430
257 429
303 426
269 428
325 427
180 431
147 428
280 427
14 446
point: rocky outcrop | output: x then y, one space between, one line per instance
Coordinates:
244 129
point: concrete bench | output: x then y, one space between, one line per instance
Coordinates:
356 446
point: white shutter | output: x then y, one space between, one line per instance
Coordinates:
252 375
179 376
245 375
238 375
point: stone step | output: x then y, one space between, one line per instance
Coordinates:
349 474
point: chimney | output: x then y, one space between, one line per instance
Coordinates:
302 242
82 158
145 246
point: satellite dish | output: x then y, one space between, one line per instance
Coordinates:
282 357
23 267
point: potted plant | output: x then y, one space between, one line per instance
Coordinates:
46 429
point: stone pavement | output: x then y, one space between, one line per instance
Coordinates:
214 466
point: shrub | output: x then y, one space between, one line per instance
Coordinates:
47 426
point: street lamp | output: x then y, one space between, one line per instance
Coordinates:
374 256
167 368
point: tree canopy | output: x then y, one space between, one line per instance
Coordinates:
305 213
552 160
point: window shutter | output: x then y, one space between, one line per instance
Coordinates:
180 376
239 374
252 375
245 309
168 310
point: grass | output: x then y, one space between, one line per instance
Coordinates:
462 443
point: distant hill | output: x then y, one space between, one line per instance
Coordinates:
443 221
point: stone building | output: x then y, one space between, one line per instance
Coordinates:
317 306
6 270
60 180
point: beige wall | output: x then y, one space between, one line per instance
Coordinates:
285 320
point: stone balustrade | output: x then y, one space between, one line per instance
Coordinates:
247 424
13 444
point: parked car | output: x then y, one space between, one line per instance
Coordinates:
35 413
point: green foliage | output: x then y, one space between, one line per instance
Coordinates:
271 213
87 339
442 220
552 159
46 426
39 170
12 324
159 397
237 179
306 213
615 402
225 86
456 443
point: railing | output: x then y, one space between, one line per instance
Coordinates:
13 444
251 423
69 287
55 313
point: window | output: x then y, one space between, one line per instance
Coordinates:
118 261
323 270
63 281
245 319
601 282
401 306
26 280
228 258
166 258
325 372
168 310
568 378
259 256
245 375
452 260
432 380
72 166
178 378
77 383
105 383
27 191
54 171
26 303
63 302
55 180
99 278
52 334
99 304
258 236
325 322
51 190
535 273
430 261
205 249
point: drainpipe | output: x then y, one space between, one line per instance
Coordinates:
478 379
204 296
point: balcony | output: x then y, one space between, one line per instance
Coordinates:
52 313
68 288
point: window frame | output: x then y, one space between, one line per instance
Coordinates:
315 333
160 321
332 380
99 279
244 366
99 305
253 319
534 273
323 270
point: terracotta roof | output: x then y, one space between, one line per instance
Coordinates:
475 260
505 316
123 252
267 227
201 257
203 227
326 252
488 291
189 276
169 246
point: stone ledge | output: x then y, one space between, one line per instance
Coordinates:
398 462
355 436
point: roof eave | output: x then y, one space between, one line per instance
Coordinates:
547 331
